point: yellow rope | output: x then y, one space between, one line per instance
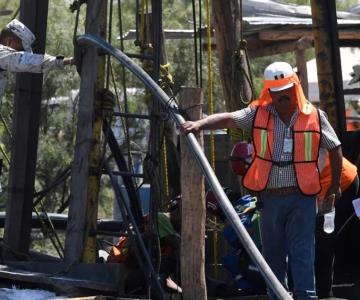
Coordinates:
210 84
166 83
165 169
166 79
144 8
212 139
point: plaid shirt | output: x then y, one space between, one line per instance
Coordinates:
284 176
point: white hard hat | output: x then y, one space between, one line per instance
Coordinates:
276 71
22 32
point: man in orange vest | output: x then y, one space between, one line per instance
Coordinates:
326 242
287 133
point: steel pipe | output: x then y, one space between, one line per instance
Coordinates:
200 157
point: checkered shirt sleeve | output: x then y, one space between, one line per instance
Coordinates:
244 118
329 139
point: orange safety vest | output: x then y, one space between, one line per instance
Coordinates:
306 144
348 174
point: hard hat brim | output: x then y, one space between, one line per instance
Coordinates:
281 88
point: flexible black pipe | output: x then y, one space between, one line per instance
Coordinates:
199 155
200 46
135 234
195 44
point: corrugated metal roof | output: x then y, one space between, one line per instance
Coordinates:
276 20
281 20
355 9
261 7
266 14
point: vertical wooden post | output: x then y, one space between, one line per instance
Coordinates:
232 64
227 28
326 41
193 207
85 175
302 69
89 254
26 131
300 54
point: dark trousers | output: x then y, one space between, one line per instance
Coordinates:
326 243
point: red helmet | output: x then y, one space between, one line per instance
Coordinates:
240 157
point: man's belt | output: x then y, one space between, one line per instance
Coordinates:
282 164
282 191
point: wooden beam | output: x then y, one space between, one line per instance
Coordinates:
26 131
89 254
302 70
349 43
283 35
192 207
329 63
95 278
76 229
172 34
281 47
353 91
232 60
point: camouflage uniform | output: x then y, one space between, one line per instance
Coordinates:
20 61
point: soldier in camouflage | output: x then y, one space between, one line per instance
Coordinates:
16 54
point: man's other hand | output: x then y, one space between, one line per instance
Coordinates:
334 189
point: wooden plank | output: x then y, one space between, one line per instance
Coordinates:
89 253
232 60
99 297
282 35
93 277
281 47
74 243
192 208
349 43
95 271
272 49
252 297
302 70
103 298
62 282
353 91
26 131
329 63
172 34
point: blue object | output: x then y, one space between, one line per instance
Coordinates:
231 262
237 262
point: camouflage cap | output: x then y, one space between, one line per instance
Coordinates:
24 33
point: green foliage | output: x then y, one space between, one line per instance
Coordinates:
345 4
12 5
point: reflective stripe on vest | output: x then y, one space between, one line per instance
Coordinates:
306 139
263 134
307 150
